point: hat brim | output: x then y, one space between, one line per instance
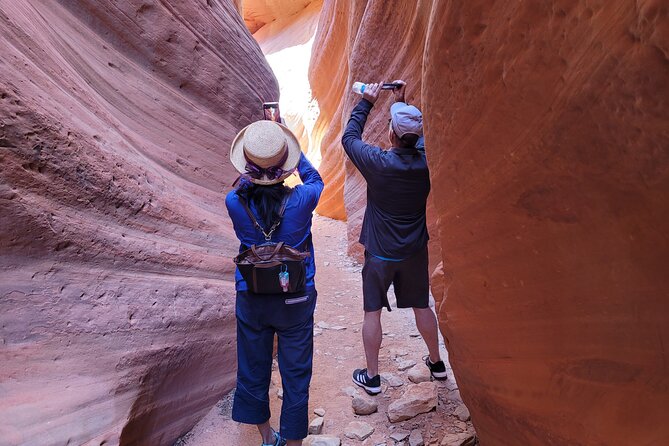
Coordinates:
294 152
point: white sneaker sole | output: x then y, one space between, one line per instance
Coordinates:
439 375
368 389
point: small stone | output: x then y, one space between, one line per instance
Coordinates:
337 327
320 412
350 391
323 325
450 385
279 393
462 439
461 425
419 375
316 426
416 438
400 435
358 430
317 332
406 364
363 405
321 440
326 263
398 352
392 380
462 413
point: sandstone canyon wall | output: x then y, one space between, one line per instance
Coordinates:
548 141
368 41
287 41
116 293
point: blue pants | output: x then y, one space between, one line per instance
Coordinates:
292 319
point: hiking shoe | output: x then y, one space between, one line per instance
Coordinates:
278 440
437 370
371 385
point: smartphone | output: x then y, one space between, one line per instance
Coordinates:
270 111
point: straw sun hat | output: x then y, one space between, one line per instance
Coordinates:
265 151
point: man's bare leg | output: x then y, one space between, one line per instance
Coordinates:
426 322
371 339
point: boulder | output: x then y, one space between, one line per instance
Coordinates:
364 405
417 399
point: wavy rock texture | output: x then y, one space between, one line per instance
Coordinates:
287 44
116 298
258 13
547 138
554 183
346 49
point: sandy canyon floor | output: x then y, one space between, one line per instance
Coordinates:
337 351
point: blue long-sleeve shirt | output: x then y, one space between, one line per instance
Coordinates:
295 228
398 183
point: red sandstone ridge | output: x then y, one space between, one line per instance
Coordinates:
258 13
287 41
347 49
116 300
547 139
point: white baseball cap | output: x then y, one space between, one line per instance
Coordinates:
406 119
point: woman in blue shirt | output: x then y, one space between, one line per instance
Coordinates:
266 153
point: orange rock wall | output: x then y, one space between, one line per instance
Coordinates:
346 50
286 43
258 13
116 293
547 138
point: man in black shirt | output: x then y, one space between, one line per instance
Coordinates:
394 231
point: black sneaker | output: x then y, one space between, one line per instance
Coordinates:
371 385
437 370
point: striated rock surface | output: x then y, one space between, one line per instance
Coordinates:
287 42
116 293
547 138
347 49
258 13
553 178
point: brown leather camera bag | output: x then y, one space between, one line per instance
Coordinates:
272 268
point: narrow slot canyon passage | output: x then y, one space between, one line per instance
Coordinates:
287 44
337 351
547 142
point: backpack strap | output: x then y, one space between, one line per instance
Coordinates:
275 225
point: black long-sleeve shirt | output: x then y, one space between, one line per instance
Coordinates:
398 183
